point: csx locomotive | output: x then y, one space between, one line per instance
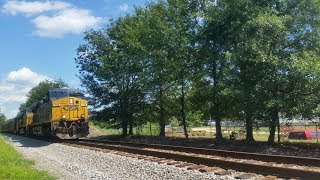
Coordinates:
62 113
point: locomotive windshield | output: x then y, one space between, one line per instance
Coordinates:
57 95
76 94
61 93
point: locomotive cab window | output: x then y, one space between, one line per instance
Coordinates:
57 95
76 94
46 99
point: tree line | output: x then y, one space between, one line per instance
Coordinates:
2 120
225 59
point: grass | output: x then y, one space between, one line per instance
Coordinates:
15 166
259 134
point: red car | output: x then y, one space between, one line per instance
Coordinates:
304 134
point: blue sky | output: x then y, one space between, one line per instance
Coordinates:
38 41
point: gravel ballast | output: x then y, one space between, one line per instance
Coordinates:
66 162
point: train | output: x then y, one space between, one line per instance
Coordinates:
62 113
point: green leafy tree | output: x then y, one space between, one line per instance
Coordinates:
155 42
110 69
227 59
2 120
181 36
38 92
220 25
270 49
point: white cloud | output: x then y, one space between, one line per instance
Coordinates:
14 87
29 8
25 76
73 21
124 7
53 18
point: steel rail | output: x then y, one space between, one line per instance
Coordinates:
263 169
302 161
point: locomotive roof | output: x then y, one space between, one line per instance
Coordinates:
35 105
67 90
23 112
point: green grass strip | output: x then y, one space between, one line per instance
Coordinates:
15 166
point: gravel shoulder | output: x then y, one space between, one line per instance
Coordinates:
65 162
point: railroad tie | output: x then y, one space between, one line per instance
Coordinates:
153 159
208 169
173 162
195 167
184 164
164 161
222 173
129 155
156 159
141 156
245 176
270 177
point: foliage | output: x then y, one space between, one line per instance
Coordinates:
111 73
38 92
2 120
174 122
195 118
185 61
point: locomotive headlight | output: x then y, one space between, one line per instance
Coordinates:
82 115
64 116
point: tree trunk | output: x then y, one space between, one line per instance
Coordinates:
249 129
183 114
162 122
274 119
278 124
124 126
218 129
130 127
124 119
216 108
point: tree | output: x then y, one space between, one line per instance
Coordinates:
111 68
38 92
253 49
2 120
232 59
221 23
284 33
181 52
151 47
155 41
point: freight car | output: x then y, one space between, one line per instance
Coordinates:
63 113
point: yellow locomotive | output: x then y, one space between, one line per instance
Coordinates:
62 113
23 121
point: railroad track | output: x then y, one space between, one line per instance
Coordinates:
203 159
